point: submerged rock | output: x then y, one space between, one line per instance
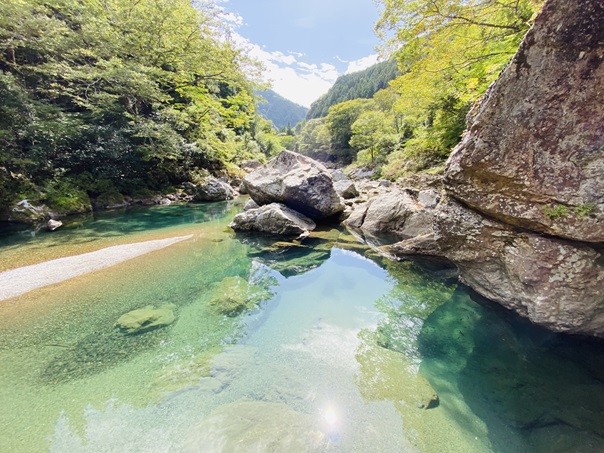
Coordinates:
145 319
257 426
234 295
298 182
274 218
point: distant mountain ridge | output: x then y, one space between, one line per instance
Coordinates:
362 84
279 110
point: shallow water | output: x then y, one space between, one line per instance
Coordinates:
333 349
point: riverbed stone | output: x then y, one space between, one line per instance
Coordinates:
298 182
392 216
27 211
346 188
146 319
257 426
52 224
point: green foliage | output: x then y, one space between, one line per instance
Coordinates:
448 53
584 210
362 84
313 139
555 212
139 93
65 197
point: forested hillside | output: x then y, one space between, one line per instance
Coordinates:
448 52
119 96
282 112
362 84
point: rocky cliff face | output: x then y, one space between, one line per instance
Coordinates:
528 228
533 155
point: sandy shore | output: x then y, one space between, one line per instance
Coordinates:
24 279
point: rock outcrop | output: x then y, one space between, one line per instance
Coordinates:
533 155
296 181
554 282
527 229
212 189
274 218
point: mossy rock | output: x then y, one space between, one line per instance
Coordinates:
70 202
145 319
109 199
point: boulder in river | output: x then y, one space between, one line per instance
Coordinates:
274 218
529 173
393 215
296 181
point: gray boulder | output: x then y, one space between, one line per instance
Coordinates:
274 218
212 189
396 214
346 189
296 181
532 155
52 224
554 282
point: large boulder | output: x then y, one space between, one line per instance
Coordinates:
213 189
274 218
554 282
532 155
530 163
298 182
394 215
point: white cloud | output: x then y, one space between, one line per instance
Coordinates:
293 79
362 63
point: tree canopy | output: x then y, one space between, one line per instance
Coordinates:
448 53
122 94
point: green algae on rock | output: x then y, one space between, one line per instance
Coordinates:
146 319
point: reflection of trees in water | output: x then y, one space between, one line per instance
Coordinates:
415 294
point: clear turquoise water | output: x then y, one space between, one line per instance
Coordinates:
335 350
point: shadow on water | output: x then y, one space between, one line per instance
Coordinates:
535 390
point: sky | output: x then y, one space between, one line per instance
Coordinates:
305 44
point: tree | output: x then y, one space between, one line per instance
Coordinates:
141 93
449 52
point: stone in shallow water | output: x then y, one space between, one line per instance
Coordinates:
145 319
257 426
234 295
